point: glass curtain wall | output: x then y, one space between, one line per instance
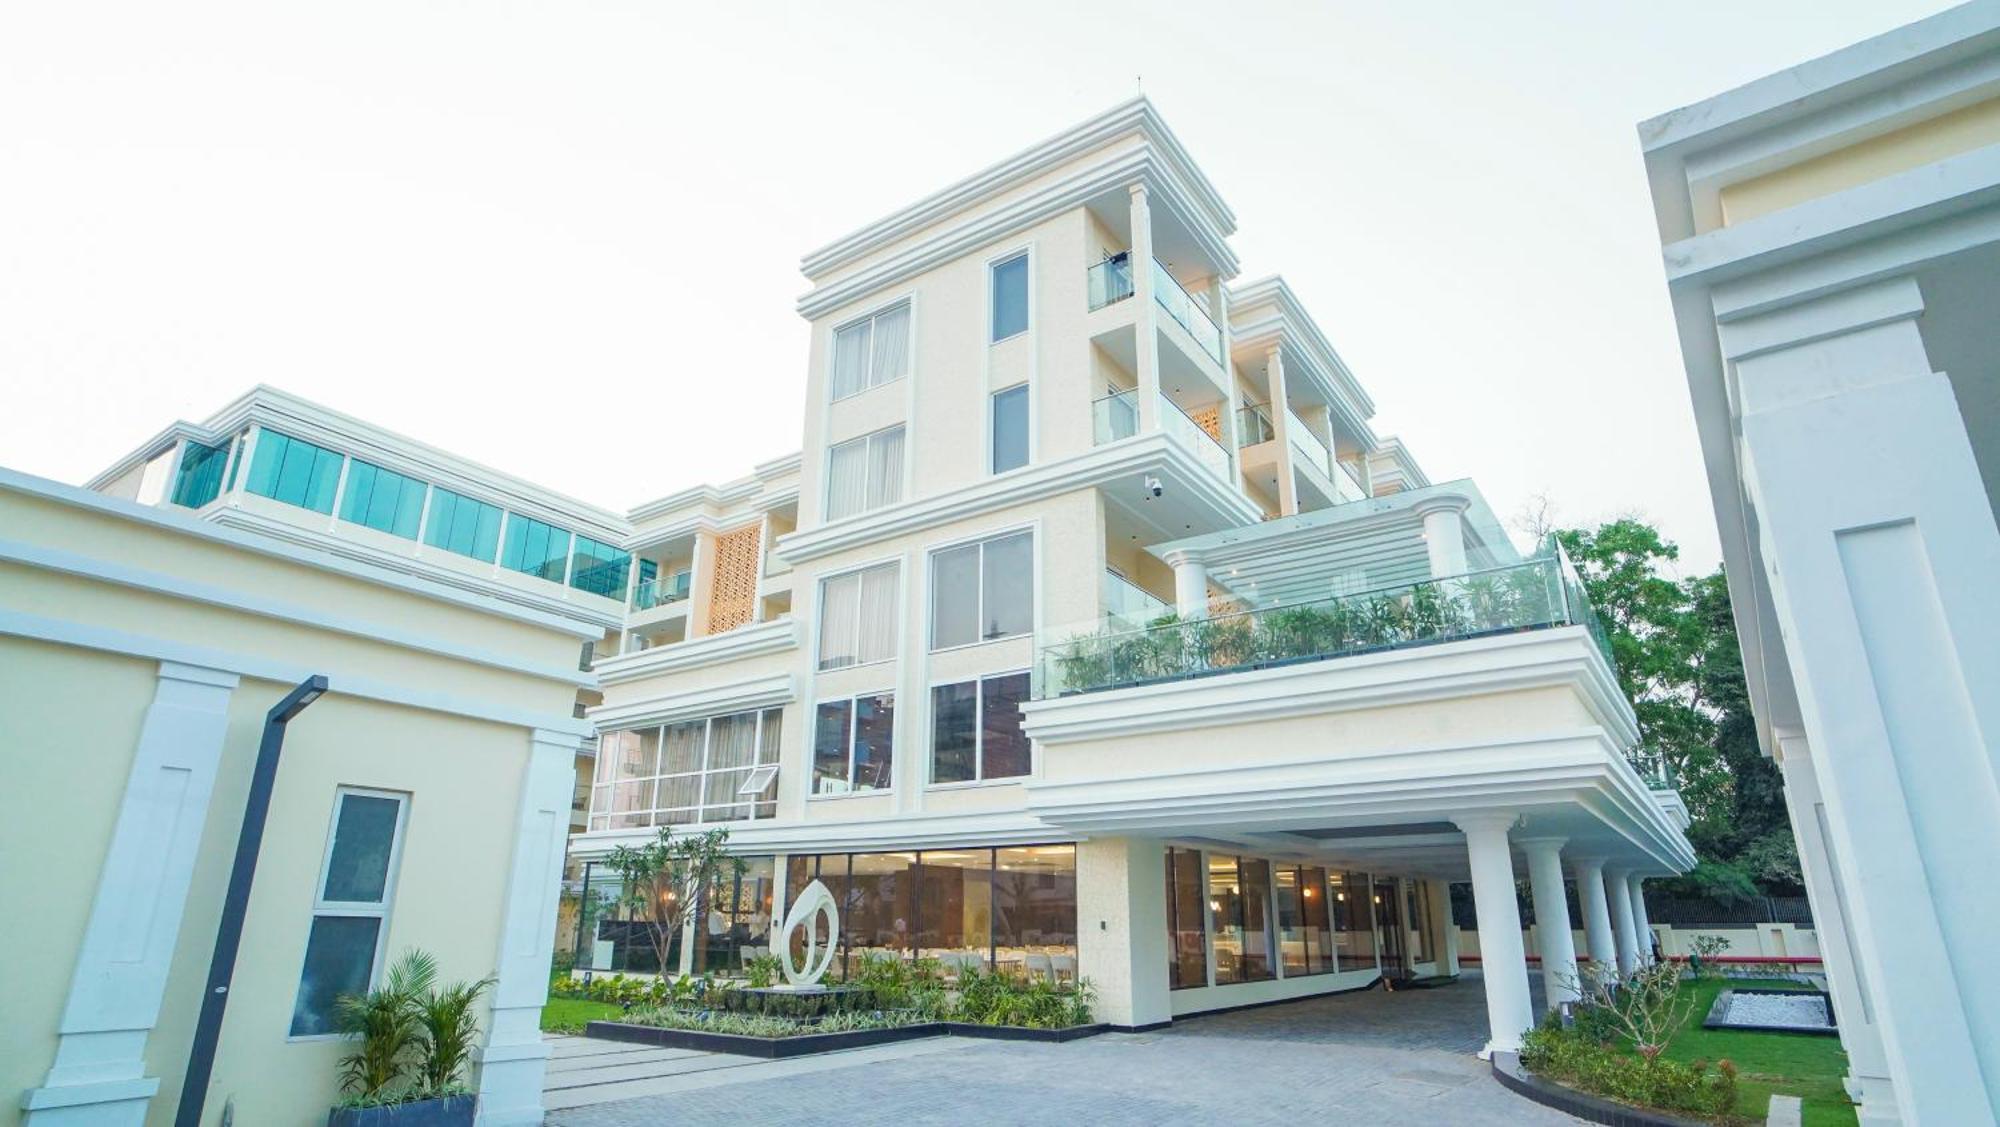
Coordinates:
1240 896
1422 947
1304 937
1013 908
1187 922
734 926
1353 931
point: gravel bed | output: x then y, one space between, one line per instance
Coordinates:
1782 1011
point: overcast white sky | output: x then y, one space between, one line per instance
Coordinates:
562 238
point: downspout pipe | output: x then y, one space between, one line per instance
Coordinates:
229 931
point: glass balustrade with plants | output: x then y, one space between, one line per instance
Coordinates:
661 591
1535 594
1130 606
1116 416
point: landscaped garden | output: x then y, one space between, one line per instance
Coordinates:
1642 1043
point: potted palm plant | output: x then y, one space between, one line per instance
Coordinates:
407 1068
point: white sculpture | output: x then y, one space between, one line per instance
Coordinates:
812 901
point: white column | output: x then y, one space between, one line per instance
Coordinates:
1121 915
1552 931
1879 548
1642 928
1444 535
244 461
1589 873
1440 893
1868 1082
512 1061
1145 312
1281 424
1503 962
1190 584
1232 399
1620 894
99 1075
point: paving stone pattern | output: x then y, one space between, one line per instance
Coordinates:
1372 1058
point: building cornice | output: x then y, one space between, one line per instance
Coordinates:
860 835
1117 171
182 522
738 696
1150 453
1288 320
1134 116
752 640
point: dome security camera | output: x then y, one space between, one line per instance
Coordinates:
1153 486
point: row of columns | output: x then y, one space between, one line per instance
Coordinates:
1613 902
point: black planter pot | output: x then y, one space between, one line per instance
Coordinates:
445 1111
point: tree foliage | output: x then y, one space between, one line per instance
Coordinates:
1675 644
666 879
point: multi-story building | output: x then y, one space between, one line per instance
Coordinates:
1832 245
1093 631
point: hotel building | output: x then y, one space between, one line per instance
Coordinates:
1093 631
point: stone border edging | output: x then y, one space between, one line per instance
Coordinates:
774 1048
1596 1109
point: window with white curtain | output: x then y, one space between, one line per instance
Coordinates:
864 473
984 591
694 771
857 617
872 351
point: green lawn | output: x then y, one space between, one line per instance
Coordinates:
1792 1063
570 1015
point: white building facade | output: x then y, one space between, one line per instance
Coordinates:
1832 243
1093 632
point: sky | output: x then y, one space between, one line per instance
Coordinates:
562 239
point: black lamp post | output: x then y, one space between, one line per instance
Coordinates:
229 932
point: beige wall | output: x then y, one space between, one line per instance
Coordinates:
1960 131
73 714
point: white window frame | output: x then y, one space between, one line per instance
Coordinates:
979 778
853 722
868 463
702 773
1027 390
819 615
869 383
378 910
980 541
993 266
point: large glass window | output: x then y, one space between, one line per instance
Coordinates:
1318 920
1187 921
460 524
1010 428
878 907
1421 947
864 473
857 617
295 472
598 568
1304 937
692 771
1034 910
1353 928
872 351
976 729
200 478
955 907
982 592
1010 297
383 500
1239 890
535 548
735 921
852 744
350 906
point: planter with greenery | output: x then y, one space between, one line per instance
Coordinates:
414 1041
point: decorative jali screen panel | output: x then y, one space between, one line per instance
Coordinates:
732 599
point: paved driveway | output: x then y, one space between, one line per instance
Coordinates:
1373 1058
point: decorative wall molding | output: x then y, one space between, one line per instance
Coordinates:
750 640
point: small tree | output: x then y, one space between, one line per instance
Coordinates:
1646 1007
666 879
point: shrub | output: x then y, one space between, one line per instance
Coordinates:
763 971
415 1037
1569 1057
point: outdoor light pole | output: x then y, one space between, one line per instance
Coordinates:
229 932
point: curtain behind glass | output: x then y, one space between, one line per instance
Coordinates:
847 479
850 360
955 597
732 748
877 626
837 631
891 360
885 468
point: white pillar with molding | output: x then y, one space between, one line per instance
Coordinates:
1440 895
1620 895
1552 930
1444 535
1146 352
1190 584
1603 948
1642 928
1502 959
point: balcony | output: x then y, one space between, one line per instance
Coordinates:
1533 595
1128 606
1346 484
1116 416
661 591
1109 282
1306 445
1184 309
1253 427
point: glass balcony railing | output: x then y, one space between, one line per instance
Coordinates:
1307 445
1538 593
1253 425
1184 309
1109 281
1346 485
1129 606
661 591
1116 416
